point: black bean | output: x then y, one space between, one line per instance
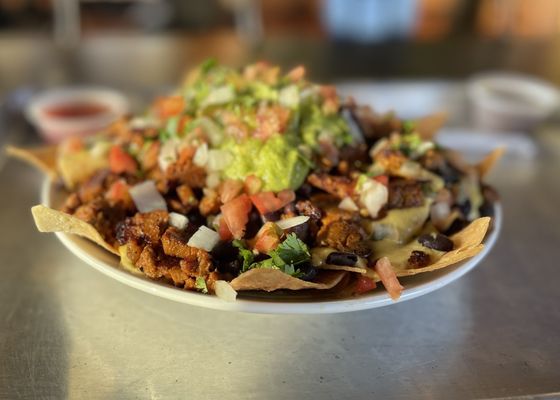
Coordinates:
486 209
229 267
418 259
253 225
465 208
456 226
449 173
302 232
196 219
304 191
225 251
307 270
436 241
341 258
272 216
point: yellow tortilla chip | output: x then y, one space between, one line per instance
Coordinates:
76 167
428 126
42 158
467 242
49 220
273 279
348 268
489 161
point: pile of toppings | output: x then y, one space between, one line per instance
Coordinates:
242 171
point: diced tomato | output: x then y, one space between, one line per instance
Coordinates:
236 215
223 230
330 99
229 189
267 202
120 161
388 277
271 120
118 192
169 106
384 179
73 144
364 284
268 237
297 73
253 184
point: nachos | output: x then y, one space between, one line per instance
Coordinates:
255 179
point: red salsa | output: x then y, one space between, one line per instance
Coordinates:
76 109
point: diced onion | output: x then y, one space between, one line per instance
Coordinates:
211 129
100 149
168 154
204 238
348 204
213 180
374 195
291 222
439 211
143 123
378 146
177 220
201 156
220 95
224 291
147 198
218 160
422 149
289 96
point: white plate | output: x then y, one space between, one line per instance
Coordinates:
415 286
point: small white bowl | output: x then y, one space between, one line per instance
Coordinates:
51 112
510 102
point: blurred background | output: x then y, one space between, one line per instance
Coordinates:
149 43
414 55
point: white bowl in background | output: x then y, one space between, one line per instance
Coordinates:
94 108
510 102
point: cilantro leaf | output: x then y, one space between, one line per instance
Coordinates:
200 284
286 257
292 251
245 255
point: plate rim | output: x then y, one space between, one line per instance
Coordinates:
374 300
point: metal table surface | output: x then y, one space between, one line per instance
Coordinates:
67 331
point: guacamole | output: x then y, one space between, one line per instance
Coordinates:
276 161
273 126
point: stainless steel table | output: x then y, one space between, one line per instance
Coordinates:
66 331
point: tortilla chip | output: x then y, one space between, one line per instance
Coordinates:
467 244
489 161
42 158
49 220
473 234
428 126
76 167
342 268
273 279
